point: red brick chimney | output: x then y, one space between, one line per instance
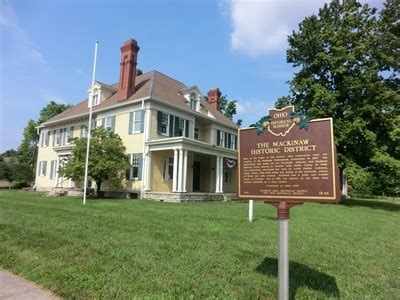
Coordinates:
213 97
129 51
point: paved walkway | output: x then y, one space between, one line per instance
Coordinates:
13 287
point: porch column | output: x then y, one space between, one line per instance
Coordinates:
180 171
221 174
217 175
175 174
147 123
184 170
147 173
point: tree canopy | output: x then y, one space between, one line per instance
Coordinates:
347 61
107 160
23 163
228 108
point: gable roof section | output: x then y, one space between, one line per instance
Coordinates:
154 85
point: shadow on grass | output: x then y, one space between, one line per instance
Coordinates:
265 217
374 204
301 275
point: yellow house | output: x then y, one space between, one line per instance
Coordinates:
180 146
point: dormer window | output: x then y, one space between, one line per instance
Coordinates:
95 97
193 101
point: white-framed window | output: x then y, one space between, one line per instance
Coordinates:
196 133
57 137
95 97
163 123
134 171
83 132
69 135
42 168
44 138
220 138
172 126
136 121
47 138
226 140
53 169
107 122
169 168
228 176
234 142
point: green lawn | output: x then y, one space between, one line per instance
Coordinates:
126 248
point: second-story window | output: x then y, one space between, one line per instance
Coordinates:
172 126
69 135
196 133
136 122
162 123
57 137
108 123
226 140
83 132
44 138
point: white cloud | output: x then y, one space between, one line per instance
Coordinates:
251 110
9 22
261 27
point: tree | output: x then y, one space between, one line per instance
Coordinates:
50 110
348 69
27 150
228 108
107 160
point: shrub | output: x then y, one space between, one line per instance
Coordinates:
19 184
361 181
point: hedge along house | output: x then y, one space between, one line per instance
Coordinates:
180 146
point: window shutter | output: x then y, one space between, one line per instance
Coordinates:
140 159
48 138
41 139
51 169
72 132
159 117
186 128
142 121
54 137
130 126
40 167
218 137
63 130
45 168
103 122
171 125
113 124
128 170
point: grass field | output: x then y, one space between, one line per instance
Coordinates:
126 248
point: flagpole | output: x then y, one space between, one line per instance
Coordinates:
90 102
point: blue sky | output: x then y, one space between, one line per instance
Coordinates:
46 50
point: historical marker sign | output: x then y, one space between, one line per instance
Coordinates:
288 157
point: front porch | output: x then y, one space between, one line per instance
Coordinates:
181 169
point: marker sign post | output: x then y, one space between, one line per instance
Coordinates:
286 161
